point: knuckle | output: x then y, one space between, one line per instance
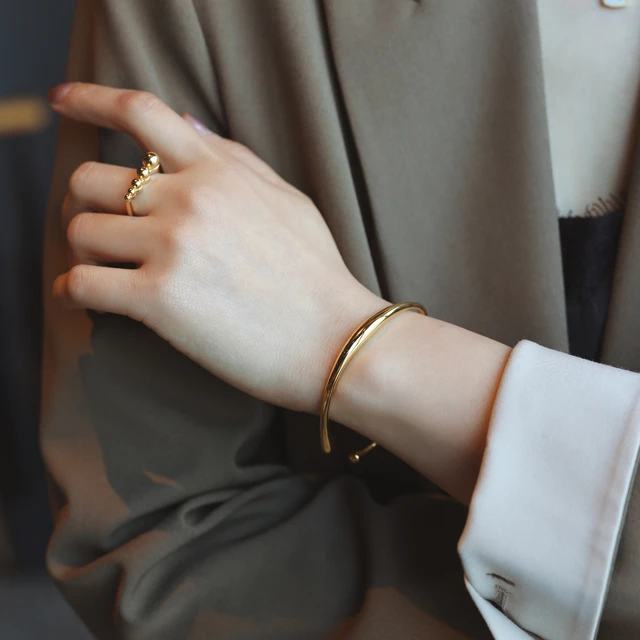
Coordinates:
136 291
305 198
82 175
77 228
77 282
169 240
175 239
238 149
158 289
230 177
246 156
200 197
134 104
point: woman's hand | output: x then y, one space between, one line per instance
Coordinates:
236 268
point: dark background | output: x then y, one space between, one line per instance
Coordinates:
34 38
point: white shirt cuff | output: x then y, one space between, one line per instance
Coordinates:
547 511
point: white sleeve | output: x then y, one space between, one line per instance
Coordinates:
547 511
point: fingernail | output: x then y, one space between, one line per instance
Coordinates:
57 93
197 124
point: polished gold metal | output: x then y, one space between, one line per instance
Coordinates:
150 165
364 331
151 161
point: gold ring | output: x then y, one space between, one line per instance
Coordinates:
150 165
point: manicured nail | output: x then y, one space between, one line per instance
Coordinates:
197 124
57 93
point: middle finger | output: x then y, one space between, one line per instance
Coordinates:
106 238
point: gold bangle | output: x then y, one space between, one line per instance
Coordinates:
357 339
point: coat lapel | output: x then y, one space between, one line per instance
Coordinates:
445 102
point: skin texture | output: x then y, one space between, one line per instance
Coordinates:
238 270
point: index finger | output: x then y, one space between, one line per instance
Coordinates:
142 115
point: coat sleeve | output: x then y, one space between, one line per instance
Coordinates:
175 515
550 503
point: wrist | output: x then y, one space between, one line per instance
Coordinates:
424 389
361 399
339 318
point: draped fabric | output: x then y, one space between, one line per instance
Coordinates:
184 508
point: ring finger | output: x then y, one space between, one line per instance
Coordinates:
105 238
101 187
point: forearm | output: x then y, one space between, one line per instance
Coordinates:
424 389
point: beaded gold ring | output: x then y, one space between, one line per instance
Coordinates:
150 165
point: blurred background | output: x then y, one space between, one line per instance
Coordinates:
34 38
